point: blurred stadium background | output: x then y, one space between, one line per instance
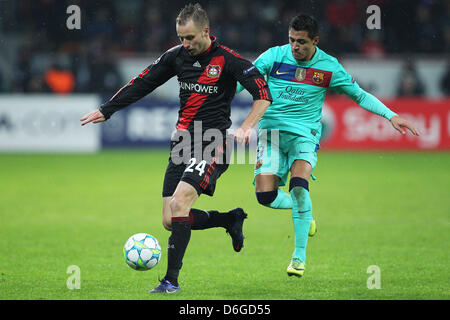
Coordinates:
69 72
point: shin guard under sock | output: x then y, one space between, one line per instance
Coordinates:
178 242
301 216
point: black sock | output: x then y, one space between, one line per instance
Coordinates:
178 241
201 219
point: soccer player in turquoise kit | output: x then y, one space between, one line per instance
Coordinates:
299 75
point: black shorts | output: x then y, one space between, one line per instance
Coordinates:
198 171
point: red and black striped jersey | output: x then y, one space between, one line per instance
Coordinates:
207 85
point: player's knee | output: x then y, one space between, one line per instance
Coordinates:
179 205
266 198
176 204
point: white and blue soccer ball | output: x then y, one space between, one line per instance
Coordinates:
142 251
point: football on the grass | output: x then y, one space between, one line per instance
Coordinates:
142 251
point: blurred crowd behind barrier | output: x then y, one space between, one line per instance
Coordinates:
39 54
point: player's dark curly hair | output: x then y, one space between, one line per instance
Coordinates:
304 22
193 12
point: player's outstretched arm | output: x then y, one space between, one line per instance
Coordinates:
94 117
244 132
342 82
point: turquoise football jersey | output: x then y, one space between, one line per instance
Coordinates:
298 90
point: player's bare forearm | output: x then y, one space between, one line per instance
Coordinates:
244 131
258 109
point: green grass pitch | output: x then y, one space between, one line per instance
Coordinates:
389 210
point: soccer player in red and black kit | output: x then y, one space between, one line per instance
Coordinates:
207 73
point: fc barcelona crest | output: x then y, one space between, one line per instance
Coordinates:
213 71
300 74
318 77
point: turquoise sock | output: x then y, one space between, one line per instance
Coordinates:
301 217
282 201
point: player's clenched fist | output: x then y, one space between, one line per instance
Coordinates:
94 117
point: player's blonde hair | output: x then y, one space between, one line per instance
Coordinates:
193 12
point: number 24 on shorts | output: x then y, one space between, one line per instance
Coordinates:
200 167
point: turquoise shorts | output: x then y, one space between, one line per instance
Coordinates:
277 150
